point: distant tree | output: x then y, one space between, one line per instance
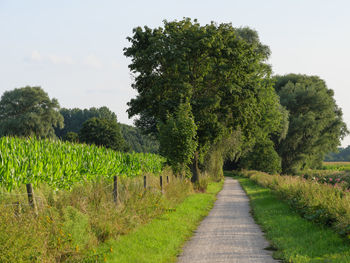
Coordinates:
341 155
29 111
220 70
315 121
74 118
137 141
263 157
71 137
102 132
177 138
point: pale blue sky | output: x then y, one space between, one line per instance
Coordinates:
74 48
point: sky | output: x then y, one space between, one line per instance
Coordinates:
73 49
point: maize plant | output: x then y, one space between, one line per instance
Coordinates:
61 164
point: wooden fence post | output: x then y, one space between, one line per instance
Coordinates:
31 199
144 181
115 188
167 179
161 183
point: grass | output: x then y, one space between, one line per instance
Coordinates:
295 239
162 238
71 224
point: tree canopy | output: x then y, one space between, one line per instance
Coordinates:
221 71
102 132
29 111
178 137
137 141
74 118
315 121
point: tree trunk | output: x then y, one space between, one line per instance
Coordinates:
194 168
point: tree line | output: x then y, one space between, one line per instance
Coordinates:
341 155
29 111
206 95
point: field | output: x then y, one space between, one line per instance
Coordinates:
336 166
61 164
76 212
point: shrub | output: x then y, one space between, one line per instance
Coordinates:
319 202
263 158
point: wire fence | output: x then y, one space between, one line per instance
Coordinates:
33 201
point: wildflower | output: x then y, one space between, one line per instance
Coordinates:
330 179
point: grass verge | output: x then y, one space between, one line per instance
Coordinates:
295 239
162 238
70 225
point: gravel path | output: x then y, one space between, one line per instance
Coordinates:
228 233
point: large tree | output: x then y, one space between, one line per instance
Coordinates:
219 70
29 111
315 121
102 132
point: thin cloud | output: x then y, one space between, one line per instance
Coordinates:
93 61
60 59
36 57
100 91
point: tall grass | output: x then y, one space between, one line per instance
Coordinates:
72 224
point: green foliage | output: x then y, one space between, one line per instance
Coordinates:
263 158
336 166
137 141
61 164
75 118
294 238
102 132
341 155
315 121
220 70
71 137
177 137
229 148
29 111
72 224
319 202
77 225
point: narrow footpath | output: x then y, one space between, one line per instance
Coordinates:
228 233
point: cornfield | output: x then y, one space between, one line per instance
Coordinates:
61 164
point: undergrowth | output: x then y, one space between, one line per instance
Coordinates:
70 225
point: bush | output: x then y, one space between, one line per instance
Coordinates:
71 137
319 202
263 158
